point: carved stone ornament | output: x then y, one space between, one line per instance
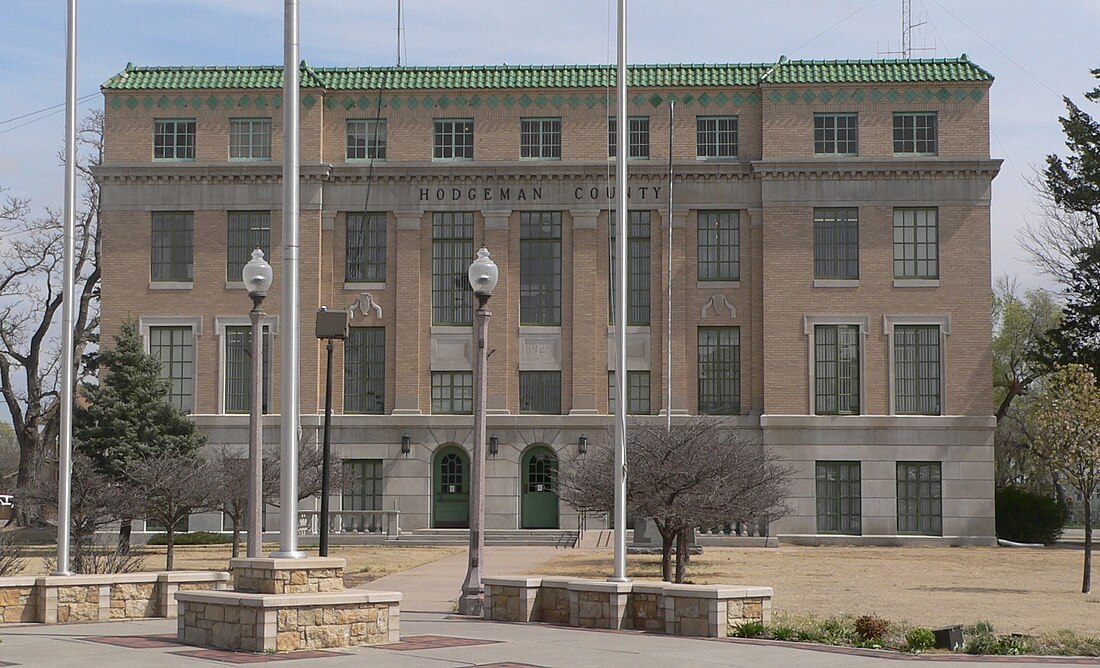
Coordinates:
717 303
364 305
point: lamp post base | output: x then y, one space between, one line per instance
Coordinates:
471 603
294 554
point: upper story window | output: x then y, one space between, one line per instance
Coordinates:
836 369
247 230
175 348
637 393
716 136
366 139
540 392
836 244
915 133
365 252
719 370
452 252
174 139
365 370
540 138
918 370
452 392
637 269
170 257
454 139
250 139
916 244
237 383
719 246
638 131
540 268
836 134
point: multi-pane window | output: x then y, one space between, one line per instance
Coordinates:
836 369
451 475
542 473
365 254
916 243
917 370
638 133
540 138
716 136
361 490
540 268
637 393
452 252
836 243
175 348
719 246
453 139
637 269
250 139
452 392
238 369
247 230
920 502
174 139
365 370
719 370
366 140
915 133
836 134
540 392
838 498
170 258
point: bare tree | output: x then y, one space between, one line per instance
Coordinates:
31 293
699 473
170 488
230 464
1052 243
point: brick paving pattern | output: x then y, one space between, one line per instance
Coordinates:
411 643
136 642
225 656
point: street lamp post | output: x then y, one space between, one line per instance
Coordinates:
257 276
483 279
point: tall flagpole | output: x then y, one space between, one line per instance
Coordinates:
65 447
622 135
289 421
668 260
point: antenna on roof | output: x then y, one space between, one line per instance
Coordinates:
400 28
907 26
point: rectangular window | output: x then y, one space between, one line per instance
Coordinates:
637 269
454 139
174 139
452 392
175 348
250 139
172 248
638 133
365 370
637 393
719 370
366 140
835 134
838 498
540 392
719 246
836 370
716 136
238 369
247 230
540 138
917 386
362 490
365 252
540 268
916 243
452 253
915 133
836 243
920 502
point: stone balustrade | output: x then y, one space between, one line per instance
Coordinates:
658 607
60 599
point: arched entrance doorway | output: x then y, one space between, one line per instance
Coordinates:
451 488
538 488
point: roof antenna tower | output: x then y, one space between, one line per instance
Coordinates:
907 26
400 28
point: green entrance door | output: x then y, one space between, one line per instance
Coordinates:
451 488
538 478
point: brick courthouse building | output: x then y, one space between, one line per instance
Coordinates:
830 271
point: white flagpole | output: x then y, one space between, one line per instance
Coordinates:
289 421
622 143
65 447
668 260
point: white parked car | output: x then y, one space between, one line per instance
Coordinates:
6 500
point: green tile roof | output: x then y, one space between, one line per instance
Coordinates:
554 76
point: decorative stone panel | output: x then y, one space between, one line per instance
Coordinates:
597 604
18 602
552 601
511 599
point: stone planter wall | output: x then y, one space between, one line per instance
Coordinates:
657 607
62 599
286 576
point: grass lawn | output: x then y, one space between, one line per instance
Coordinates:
1018 590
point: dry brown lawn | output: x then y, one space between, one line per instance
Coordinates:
1016 589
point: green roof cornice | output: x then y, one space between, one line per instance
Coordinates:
937 70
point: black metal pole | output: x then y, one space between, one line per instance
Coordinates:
323 550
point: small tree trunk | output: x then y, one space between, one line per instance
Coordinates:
125 529
171 533
681 555
236 538
1086 581
667 539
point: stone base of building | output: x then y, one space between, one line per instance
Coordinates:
711 611
283 605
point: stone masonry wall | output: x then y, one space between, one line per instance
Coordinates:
553 605
271 581
646 613
17 604
134 601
